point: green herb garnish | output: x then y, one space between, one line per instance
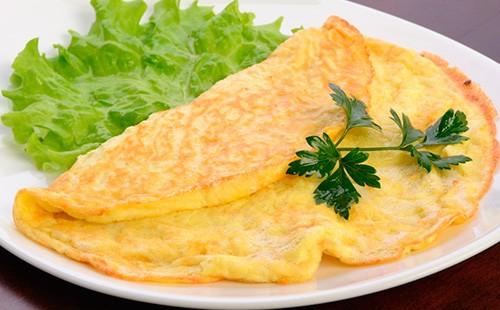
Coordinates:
326 161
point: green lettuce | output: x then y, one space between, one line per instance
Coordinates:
122 71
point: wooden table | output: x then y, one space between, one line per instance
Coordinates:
473 284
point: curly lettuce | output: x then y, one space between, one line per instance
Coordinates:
122 71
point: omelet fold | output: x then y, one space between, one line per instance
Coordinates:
233 140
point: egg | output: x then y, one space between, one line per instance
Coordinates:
113 209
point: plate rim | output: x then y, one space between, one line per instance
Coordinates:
356 289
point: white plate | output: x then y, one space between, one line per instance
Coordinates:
22 20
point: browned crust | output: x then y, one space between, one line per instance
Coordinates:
337 23
473 92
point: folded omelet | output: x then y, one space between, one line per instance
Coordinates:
231 141
264 226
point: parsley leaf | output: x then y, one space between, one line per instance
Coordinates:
361 174
355 109
409 133
338 192
447 129
424 158
427 159
320 162
445 162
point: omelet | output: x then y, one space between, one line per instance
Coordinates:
278 233
230 142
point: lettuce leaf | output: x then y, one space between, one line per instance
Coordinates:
122 71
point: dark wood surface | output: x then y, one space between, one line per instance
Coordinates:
473 284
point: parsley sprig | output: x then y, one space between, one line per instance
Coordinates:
340 172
